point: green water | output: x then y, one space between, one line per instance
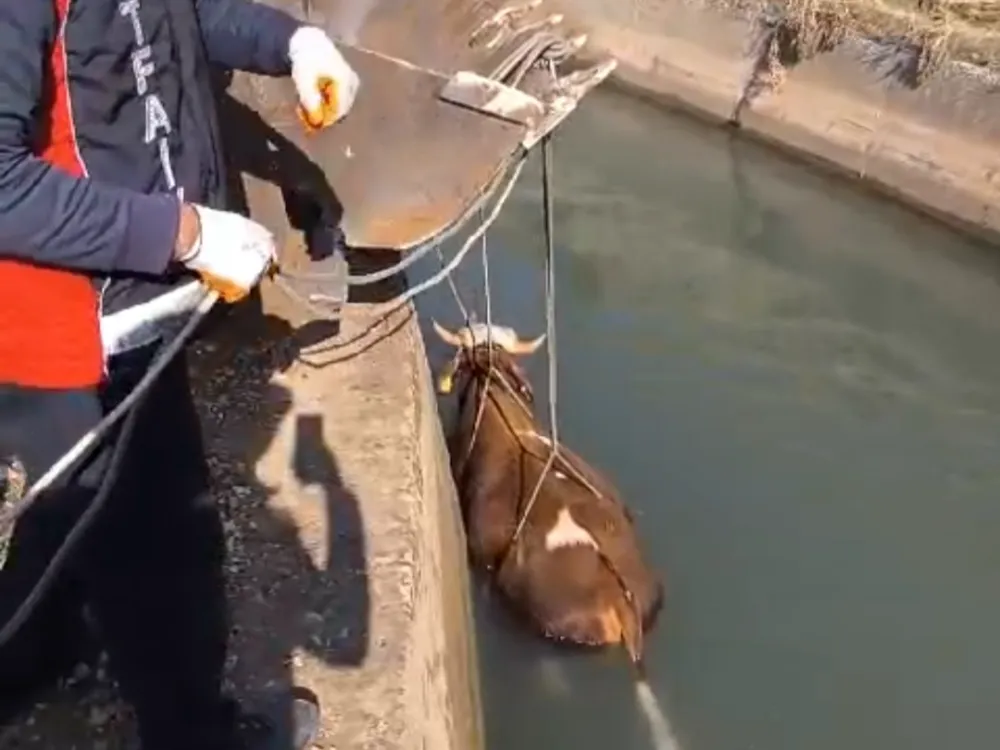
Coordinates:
797 389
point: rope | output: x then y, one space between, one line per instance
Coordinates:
455 294
487 296
541 46
493 374
550 328
127 408
491 369
45 581
449 268
10 513
446 268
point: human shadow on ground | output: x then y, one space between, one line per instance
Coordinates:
297 558
298 563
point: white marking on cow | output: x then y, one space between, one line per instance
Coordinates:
535 435
566 532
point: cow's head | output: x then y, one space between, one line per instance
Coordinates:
480 348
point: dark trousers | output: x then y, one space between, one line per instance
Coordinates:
150 567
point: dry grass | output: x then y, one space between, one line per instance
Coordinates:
913 38
939 30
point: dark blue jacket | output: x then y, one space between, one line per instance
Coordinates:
106 117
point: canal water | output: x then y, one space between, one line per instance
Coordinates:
797 389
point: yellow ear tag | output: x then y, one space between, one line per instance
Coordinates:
446 380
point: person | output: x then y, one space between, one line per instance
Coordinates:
112 199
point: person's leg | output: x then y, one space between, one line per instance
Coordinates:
37 426
153 565
53 640
154 568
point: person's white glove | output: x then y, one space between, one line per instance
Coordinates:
326 84
231 253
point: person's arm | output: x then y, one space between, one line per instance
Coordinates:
48 216
246 35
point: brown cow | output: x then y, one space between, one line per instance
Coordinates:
575 570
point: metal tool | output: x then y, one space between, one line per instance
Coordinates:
432 134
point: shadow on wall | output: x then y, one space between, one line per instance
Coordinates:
286 594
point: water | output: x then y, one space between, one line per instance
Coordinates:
797 389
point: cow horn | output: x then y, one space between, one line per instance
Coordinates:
527 347
447 336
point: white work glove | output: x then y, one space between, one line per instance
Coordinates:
325 82
231 253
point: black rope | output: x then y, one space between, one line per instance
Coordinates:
27 607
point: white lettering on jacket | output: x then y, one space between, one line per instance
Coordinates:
157 123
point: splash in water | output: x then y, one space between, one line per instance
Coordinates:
659 728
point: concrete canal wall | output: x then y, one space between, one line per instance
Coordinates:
378 622
356 537
936 147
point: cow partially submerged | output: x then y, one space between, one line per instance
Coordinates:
575 569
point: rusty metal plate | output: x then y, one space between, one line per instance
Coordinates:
424 142
405 164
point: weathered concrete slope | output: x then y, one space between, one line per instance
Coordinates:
377 609
937 147
369 585
348 561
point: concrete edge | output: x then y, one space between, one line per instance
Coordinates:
435 694
936 149
443 579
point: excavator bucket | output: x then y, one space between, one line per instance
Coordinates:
454 92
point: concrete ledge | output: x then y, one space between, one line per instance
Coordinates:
937 148
349 558
370 549
389 646
387 577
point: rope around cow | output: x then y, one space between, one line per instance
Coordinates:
550 335
493 376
